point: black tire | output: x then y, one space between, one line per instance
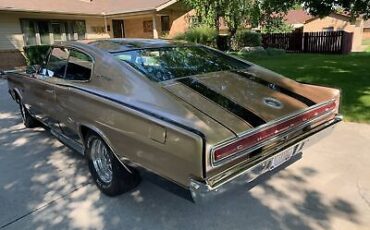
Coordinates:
121 180
28 120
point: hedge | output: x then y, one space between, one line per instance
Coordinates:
245 38
35 55
200 34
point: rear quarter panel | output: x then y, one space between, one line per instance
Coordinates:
165 149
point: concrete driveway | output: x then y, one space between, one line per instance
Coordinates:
44 185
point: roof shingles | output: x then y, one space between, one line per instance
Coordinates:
94 7
297 17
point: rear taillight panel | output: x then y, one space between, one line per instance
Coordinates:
263 134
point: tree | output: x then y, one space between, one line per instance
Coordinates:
209 12
236 13
277 25
323 8
269 12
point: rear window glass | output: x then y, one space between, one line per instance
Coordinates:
162 64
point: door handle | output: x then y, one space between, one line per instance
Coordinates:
50 91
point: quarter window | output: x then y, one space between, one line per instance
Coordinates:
79 66
57 64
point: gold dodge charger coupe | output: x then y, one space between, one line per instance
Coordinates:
189 113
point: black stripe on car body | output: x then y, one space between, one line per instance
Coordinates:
147 112
276 87
224 102
199 110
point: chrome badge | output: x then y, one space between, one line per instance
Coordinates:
272 102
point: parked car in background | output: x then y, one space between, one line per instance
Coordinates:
186 112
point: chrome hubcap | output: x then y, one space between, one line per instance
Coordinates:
101 160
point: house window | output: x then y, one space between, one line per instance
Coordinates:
79 28
56 28
328 29
29 32
165 23
44 32
148 26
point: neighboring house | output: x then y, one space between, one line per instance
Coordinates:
37 22
301 20
366 34
297 18
338 22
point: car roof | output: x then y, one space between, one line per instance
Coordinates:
126 44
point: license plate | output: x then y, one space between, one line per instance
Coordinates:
282 157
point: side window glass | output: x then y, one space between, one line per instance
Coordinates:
57 63
79 66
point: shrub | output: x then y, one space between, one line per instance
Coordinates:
277 25
35 55
275 51
200 34
249 52
247 38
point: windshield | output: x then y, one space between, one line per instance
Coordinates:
162 64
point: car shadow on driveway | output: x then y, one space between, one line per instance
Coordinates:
44 185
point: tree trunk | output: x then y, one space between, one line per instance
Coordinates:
232 32
217 23
232 41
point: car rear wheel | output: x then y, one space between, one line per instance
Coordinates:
111 177
27 119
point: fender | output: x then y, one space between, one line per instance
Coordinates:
105 139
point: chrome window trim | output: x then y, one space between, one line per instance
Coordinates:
239 154
92 67
93 62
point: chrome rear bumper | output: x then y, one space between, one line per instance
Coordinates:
205 190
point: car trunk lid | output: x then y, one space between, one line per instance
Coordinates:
240 100
246 102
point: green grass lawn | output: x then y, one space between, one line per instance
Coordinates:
350 73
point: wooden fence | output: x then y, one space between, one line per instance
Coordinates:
339 42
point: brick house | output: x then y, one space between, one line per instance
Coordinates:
366 34
338 22
300 19
39 22
297 18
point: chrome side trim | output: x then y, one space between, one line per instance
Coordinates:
264 127
69 142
